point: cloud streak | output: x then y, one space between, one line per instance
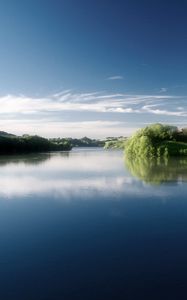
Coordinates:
60 110
93 102
117 77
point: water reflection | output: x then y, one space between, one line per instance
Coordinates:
158 171
87 174
29 159
56 245
64 175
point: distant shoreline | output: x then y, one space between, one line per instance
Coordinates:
12 145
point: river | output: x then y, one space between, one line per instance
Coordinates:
89 224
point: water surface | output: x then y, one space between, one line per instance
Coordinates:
89 224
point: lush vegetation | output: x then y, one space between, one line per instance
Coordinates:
83 142
11 144
157 140
115 143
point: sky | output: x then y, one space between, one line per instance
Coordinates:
92 68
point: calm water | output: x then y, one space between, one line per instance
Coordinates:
90 225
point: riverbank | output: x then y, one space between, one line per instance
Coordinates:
11 144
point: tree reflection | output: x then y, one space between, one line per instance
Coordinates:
29 159
158 171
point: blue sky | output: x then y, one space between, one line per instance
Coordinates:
95 68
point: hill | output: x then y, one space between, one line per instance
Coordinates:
83 142
11 144
6 134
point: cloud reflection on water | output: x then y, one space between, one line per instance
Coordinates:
74 175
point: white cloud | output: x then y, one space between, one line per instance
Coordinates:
117 77
59 114
94 129
149 109
69 101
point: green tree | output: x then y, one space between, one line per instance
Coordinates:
155 141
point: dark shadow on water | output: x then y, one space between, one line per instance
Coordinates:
158 171
29 159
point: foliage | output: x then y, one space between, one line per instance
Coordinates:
155 141
83 142
115 143
28 144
